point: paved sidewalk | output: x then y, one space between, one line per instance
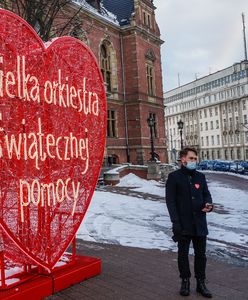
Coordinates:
135 274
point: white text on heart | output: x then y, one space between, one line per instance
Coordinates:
48 194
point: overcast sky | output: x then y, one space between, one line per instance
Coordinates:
201 37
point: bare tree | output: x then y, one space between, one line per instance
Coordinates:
49 18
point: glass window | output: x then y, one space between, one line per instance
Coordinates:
111 124
226 154
216 111
150 79
144 18
238 138
238 154
106 66
238 90
148 20
242 90
237 121
236 106
212 140
225 124
212 125
217 124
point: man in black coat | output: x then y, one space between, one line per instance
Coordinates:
188 200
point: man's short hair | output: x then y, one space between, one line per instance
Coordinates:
186 150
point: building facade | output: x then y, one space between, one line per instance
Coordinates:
214 112
125 38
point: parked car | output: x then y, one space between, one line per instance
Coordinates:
244 164
203 165
206 165
222 166
236 167
211 164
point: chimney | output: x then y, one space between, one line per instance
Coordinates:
94 3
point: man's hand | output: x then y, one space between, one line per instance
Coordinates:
208 207
176 228
177 231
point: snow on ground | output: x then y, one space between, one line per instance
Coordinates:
131 221
128 221
141 185
228 223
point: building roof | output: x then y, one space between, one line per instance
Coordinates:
123 9
102 13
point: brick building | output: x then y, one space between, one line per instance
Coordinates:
125 38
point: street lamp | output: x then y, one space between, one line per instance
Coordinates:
180 128
151 122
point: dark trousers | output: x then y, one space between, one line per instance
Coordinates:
199 245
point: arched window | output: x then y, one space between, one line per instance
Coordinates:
105 65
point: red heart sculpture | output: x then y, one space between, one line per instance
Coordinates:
52 129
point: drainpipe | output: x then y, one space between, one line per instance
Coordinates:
124 99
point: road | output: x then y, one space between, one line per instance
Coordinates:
230 180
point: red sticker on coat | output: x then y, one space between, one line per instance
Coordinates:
197 186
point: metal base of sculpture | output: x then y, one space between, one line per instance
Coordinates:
33 282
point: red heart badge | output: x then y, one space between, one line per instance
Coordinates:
52 138
197 186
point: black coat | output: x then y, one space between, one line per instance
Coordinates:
186 195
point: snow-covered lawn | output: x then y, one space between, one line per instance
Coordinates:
131 221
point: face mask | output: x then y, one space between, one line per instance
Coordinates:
191 165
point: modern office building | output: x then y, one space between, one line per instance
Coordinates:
214 112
